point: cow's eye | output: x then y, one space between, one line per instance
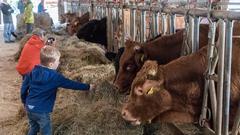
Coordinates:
130 68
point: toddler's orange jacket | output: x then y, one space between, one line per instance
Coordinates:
30 55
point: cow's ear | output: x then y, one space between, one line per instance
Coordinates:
140 57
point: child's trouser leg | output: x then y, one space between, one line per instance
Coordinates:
45 124
34 127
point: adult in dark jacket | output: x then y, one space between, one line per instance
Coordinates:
7 20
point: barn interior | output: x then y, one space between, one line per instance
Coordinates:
84 58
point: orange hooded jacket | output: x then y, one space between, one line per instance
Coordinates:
30 55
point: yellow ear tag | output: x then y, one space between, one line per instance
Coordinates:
151 91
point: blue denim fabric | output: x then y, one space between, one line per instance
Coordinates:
8 28
29 27
39 121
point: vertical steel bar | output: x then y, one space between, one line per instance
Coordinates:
172 23
221 44
227 76
122 26
209 85
164 24
191 33
132 23
143 26
156 22
196 34
92 9
109 27
213 63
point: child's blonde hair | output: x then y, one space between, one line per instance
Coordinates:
49 54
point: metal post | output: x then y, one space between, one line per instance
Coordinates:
209 85
212 66
164 24
196 34
172 23
92 9
143 26
221 54
132 23
155 22
227 76
191 33
109 27
122 44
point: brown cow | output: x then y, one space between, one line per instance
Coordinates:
163 49
76 23
174 92
67 17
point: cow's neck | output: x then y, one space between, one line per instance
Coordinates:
164 49
187 68
183 78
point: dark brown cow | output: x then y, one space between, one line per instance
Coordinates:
76 23
163 49
174 92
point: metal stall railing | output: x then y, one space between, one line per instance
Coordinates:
219 101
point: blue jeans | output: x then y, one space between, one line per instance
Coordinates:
29 28
39 121
8 28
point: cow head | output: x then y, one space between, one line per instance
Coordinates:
73 26
87 30
130 63
94 31
148 97
76 23
67 17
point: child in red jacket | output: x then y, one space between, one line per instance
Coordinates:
30 55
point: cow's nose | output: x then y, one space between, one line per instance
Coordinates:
116 86
138 91
125 114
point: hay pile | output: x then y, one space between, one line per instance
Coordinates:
76 54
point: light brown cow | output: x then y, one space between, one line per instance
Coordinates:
76 22
173 92
163 49
67 17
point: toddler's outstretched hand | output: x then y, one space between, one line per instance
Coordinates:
92 88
